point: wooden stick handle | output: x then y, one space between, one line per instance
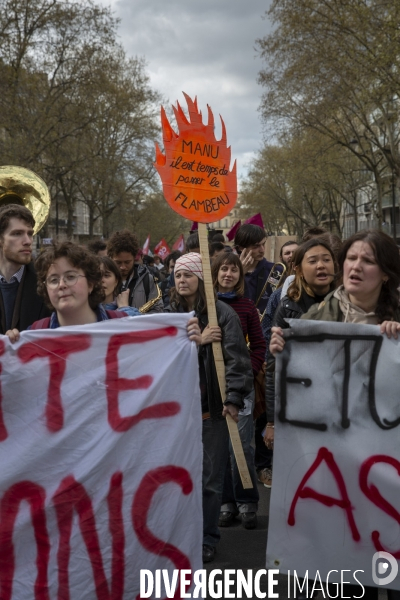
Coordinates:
219 359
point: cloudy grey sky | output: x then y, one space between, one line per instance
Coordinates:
205 48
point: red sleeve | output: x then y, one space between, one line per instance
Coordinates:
41 324
258 346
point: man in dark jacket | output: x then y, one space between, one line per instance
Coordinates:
20 305
250 244
149 263
122 247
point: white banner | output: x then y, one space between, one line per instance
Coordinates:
336 475
100 455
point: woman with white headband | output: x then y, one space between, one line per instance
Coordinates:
189 295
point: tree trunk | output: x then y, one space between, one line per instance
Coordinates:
355 212
379 195
69 201
91 222
70 221
105 228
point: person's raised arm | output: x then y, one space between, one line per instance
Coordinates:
247 260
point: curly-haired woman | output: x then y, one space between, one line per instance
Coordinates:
71 282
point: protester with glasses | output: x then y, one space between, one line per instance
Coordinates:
71 282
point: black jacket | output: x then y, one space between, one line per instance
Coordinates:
238 371
287 309
254 283
29 307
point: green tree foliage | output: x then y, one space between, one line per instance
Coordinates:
301 182
333 66
73 107
48 53
149 214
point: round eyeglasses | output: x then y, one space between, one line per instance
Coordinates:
69 279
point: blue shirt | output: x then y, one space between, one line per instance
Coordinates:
130 311
100 313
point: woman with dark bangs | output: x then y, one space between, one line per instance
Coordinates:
112 284
228 281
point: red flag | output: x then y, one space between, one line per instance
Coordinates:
146 245
255 220
195 227
233 230
162 249
179 244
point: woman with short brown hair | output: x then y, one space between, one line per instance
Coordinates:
70 281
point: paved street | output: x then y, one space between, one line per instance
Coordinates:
242 549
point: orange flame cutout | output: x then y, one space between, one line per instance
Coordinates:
194 170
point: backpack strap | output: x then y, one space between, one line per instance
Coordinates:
146 285
41 324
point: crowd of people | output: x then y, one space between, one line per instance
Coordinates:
320 278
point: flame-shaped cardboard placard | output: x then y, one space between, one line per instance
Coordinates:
194 170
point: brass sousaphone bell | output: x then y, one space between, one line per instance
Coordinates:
22 186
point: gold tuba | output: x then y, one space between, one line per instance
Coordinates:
22 186
149 305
